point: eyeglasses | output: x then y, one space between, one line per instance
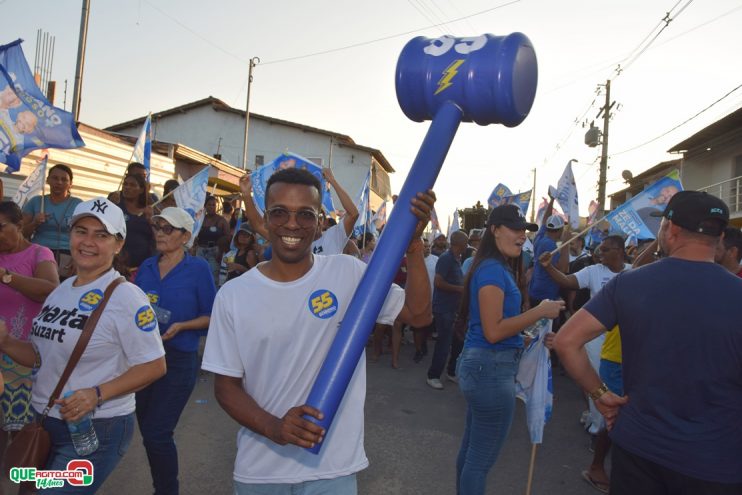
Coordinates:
279 216
166 229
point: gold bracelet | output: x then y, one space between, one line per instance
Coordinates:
598 393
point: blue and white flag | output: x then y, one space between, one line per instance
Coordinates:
566 196
522 200
33 185
533 383
27 120
455 224
260 177
635 216
191 196
379 219
498 195
143 149
364 209
435 225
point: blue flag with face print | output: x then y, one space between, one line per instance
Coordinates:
27 120
260 177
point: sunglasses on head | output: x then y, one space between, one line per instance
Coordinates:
166 229
279 216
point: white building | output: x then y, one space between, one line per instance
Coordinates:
214 128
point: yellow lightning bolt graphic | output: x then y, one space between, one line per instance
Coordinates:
448 75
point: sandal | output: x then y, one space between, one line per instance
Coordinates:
601 486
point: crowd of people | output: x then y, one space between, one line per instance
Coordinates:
655 349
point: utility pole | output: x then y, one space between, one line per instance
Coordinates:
253 62
606 112
80 59
533 197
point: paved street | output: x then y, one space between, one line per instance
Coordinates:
412 438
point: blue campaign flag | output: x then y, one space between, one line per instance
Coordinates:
364 210
143 149
260 177
498 195
522 200
27 120
634 216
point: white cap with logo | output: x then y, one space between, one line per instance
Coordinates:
555 222
104 210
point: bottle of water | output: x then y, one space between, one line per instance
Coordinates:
83 434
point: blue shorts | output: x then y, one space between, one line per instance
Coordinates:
611 374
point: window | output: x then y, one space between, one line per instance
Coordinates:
259 159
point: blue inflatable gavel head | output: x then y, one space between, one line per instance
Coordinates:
492 79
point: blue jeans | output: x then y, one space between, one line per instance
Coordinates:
114 436
344 485
487 379
444 326
159 406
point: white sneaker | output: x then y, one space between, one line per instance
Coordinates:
435 383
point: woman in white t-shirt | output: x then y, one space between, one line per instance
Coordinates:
125 352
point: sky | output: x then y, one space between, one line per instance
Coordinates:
331 63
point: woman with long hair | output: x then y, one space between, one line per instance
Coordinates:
124 354
140 242
51 228
28 274
489 362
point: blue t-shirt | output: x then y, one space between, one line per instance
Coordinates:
449 268
55 232
542 285
492 272
681 336
187 291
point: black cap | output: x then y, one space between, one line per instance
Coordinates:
511 217
692 210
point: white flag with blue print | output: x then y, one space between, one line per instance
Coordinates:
533 382
191 196
32 186
364 209
566 196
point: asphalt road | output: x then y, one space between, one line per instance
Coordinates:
412 439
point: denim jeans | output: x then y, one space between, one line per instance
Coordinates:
444 327
344 485
487 379
114 436
158 410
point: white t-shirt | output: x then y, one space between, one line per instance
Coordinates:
126 335
594 277
333 241
275 336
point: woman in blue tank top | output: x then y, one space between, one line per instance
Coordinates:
493 346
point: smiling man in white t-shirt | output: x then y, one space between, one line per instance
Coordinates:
270 332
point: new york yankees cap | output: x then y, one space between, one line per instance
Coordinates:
104 210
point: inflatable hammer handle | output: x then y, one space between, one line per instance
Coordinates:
350 341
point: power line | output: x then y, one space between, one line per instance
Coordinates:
385 38
677 126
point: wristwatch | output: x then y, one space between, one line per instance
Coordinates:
7 277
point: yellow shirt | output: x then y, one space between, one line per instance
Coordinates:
611 350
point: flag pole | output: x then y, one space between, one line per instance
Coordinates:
530 468
570 241
43 184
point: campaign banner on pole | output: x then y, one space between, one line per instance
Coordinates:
522 200
533 382
566 196
27 120
634 216
498 195
191 196
143 149
364 210
259 178
33 185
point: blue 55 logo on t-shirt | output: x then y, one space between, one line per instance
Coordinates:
90 300
323 303
145 319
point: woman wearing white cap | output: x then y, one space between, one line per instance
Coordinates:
124 354
181 290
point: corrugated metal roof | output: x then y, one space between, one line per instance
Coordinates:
730 123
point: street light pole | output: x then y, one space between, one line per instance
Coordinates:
80 60
253 62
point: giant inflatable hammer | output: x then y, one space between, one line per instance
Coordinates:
486 79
